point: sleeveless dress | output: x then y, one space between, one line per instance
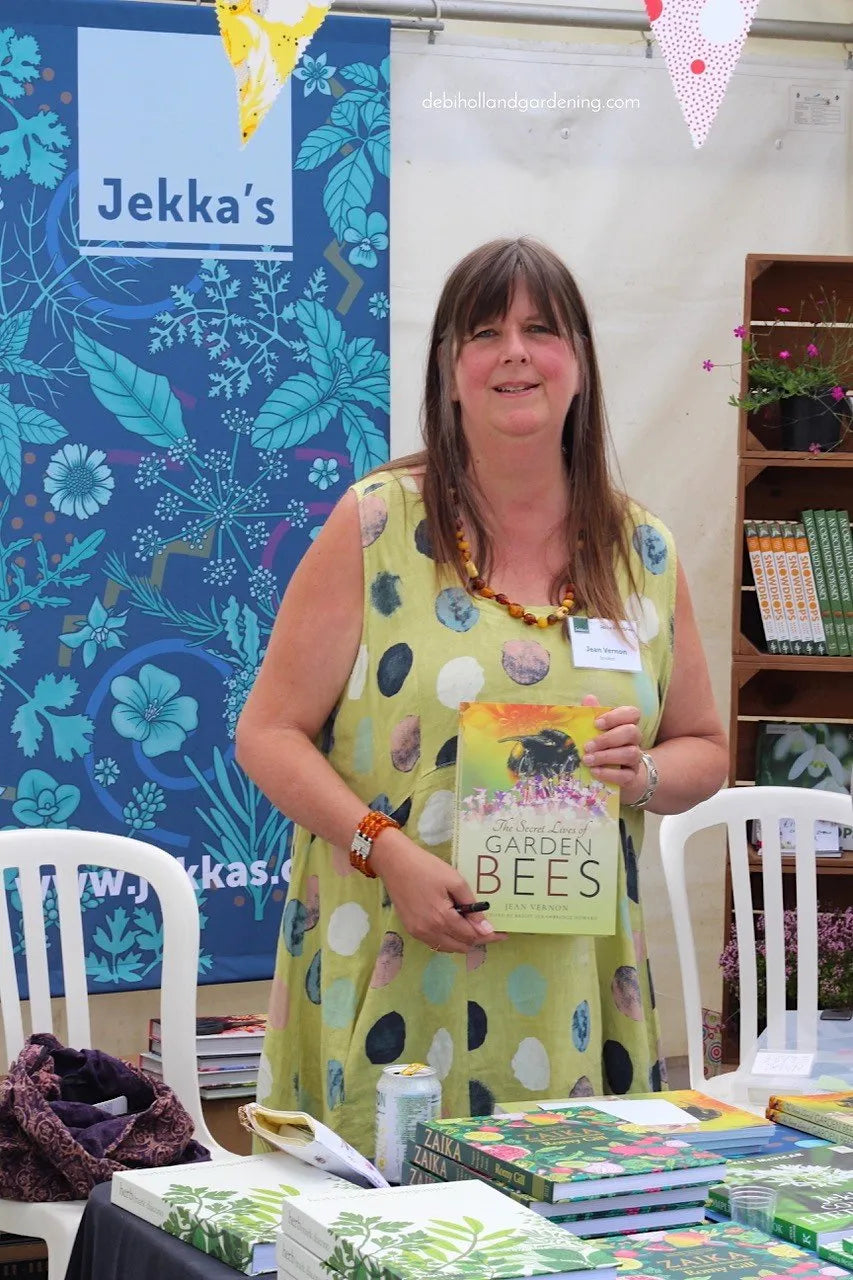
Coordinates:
534 1016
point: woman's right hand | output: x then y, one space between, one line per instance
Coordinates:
423 889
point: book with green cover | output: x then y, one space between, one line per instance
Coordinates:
838 1253
555 1156
830 1110
687 1113
821 584
830 568
814 1189
715 1251
456 1231
845 597
811 1127
229 1208
843 550
438 1168
535 834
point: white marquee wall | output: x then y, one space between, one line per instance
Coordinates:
656 233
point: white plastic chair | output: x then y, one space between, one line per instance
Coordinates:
66 852
734 808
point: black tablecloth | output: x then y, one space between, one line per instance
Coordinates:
113 1244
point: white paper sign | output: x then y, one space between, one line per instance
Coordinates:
600 644
782 1064
643 1111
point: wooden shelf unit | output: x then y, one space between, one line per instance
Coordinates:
776 485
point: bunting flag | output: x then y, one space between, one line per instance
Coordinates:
264 40
701 41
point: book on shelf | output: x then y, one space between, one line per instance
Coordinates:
307 1139
21 1249
786 588
715 1251
824 528
438 1168
842 550
225 1034
458 1231
17 1269
774 589
801 623
814 1189
535 834
686 1113
821 584
576 1156
783 752
228 1208
762 586
809 588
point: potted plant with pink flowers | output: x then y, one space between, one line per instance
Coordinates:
834 960
806 367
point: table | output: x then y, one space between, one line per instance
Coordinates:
113 1244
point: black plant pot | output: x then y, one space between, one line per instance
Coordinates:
808 420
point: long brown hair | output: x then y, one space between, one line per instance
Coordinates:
597 532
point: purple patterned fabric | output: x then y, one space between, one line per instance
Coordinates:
56 1145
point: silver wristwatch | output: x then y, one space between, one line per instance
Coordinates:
652 780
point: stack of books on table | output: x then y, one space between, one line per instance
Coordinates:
704 1122
823 1115
814 1192
229 1208
228 1053
716 1251
577 1169
464 1231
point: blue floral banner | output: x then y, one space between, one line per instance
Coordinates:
193 366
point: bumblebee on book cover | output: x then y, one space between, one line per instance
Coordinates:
536 834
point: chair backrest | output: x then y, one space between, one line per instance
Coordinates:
735 808
63 854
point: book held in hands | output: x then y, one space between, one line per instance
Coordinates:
535 834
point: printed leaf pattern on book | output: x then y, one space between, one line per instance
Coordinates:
220 1224
369 1247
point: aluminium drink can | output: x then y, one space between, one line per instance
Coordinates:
405 1094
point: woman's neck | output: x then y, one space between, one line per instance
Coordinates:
518 490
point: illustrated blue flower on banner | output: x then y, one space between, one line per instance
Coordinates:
174 430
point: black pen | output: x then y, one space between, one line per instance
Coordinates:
466 908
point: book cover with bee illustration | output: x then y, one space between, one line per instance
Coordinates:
536 835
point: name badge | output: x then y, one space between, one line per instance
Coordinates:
600 644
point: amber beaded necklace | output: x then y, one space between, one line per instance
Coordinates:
481 588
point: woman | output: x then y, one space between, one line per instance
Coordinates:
356 705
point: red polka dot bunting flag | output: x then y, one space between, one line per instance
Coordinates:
701 41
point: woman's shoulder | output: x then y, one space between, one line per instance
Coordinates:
650 538
394 480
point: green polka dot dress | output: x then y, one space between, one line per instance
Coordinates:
534 1016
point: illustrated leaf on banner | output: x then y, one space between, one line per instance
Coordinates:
264 40
143 402
701 41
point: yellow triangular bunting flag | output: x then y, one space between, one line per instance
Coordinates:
264 40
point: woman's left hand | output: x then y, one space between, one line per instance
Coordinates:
615 755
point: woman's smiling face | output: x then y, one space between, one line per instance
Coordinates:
515 376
